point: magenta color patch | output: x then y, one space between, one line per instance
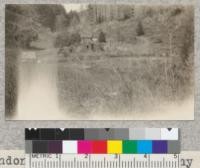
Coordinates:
84 147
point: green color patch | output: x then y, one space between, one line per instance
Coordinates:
129 146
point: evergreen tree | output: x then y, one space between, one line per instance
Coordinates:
140 30
102 37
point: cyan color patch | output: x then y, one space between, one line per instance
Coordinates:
144 147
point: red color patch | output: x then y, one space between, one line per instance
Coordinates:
99 147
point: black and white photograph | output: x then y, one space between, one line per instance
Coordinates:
99 62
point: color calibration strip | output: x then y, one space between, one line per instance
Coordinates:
103 147
102 134
103 141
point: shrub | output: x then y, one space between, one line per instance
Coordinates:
25 37
75 38
67 39
102 37
139 29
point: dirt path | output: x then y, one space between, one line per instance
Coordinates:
37 97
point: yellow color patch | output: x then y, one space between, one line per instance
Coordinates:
114 147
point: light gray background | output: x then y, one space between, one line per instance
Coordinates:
12 132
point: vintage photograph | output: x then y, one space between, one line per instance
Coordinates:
99 62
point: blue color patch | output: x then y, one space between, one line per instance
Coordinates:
144 147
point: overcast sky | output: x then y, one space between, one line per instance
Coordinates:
74 7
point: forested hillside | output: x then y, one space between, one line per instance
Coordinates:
158 40
23 22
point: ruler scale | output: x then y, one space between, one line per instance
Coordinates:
102 161
18 159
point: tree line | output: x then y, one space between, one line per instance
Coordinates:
23 22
